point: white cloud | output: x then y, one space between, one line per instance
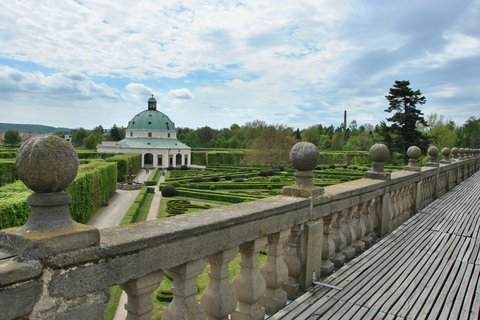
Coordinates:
182 94
60 86
139 90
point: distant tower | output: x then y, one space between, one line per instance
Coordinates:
345 120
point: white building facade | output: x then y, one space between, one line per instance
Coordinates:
152 134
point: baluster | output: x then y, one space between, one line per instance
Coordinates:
219 299
293 262
348 251
249 284
357 243
366 222
373 216
139 291
184 306
338 258
275 273
328 247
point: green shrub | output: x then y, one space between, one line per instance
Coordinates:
184 167
192 186
228 177
344 179
169 191
215 178
95 183
171 168
269 187
197 179
275 179
175 184
8 171
123 162
212 187
164 295
238 180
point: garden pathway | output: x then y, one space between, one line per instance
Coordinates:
121 313
118 205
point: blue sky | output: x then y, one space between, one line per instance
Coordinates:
299 63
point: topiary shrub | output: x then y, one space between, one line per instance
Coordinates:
197 179
332 166
192 186
344 179
169 191
215 178
184 167
228 177
171 168
239 180
164 295
263 173
212 187
269 187
275 179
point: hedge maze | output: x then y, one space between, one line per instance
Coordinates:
235 184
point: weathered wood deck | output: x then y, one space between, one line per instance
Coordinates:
429 267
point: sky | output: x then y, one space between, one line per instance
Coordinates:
84 63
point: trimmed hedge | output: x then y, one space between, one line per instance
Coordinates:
132 213
123 161
89 154
14 210
95 183
175 207
8 171
230 157
212 195
154 177
8 154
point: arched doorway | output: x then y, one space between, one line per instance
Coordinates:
178 159
159 161
148 159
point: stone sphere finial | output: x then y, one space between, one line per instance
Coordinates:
433 154
462 153
304 156
433 151
379 152
446 155
46 164
455 152
414 152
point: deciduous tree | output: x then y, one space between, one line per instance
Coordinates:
11 138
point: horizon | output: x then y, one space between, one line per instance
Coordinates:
83 64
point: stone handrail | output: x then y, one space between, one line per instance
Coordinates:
307 232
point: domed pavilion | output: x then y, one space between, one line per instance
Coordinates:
152 134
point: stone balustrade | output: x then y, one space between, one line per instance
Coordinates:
62 271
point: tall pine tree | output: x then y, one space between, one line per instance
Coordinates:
403 102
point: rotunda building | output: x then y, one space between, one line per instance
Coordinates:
152 134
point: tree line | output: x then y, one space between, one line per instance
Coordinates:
406 126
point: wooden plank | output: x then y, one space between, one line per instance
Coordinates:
433 271
460 301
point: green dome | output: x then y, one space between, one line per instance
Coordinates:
151 120
152 99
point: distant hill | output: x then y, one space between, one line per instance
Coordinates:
34 128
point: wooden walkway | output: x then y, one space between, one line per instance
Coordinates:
428 268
